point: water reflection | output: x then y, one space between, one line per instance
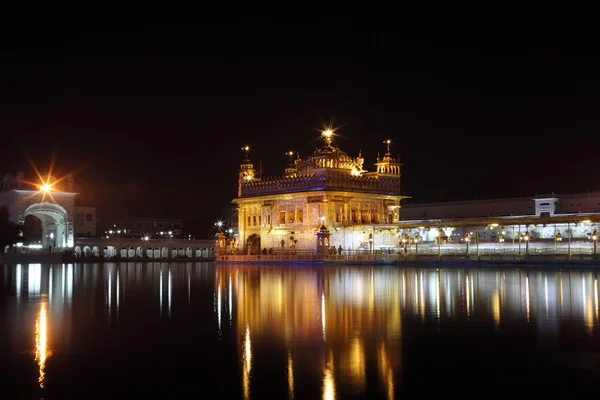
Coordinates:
328 379
41 343
290 375
246 362
327 332
360 310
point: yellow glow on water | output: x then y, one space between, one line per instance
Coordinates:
41 343
328 380
290 375
468 295
246 363
527 300
496 307
386 372
596 296
357 363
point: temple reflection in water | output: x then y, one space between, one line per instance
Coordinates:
352 316
330 331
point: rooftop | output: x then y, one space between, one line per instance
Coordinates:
328 168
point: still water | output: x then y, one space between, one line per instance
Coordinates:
199 330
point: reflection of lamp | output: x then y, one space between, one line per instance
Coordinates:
41 343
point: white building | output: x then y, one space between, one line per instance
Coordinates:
50 201
541 221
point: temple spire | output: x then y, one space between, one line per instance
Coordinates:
328 136
247 173
388 143
246 150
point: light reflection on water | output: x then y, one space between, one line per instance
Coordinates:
302 332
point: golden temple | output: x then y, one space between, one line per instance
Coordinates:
328 192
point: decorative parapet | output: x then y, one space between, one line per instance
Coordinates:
325 179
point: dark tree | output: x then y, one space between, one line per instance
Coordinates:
9 231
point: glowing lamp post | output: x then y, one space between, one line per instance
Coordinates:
416 239
501 238
440 237
404 241
526 238
595 240
220 236
467 240
557 240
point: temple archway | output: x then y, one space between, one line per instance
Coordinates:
56 231
253 244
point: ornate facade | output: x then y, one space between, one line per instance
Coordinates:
329 193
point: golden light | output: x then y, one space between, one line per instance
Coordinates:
41 343
46 184
328 133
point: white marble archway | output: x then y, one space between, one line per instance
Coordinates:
57 231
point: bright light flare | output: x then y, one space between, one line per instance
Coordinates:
46 184
327 133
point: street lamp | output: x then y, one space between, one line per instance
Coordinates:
416 239
467 240
595 240
404 240
440 237
557 240
526 238
501 238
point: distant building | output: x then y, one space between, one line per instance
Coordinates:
540 206
85 221
151 227
551 217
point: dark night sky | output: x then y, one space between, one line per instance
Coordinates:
154 119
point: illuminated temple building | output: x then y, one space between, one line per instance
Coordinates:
328 192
